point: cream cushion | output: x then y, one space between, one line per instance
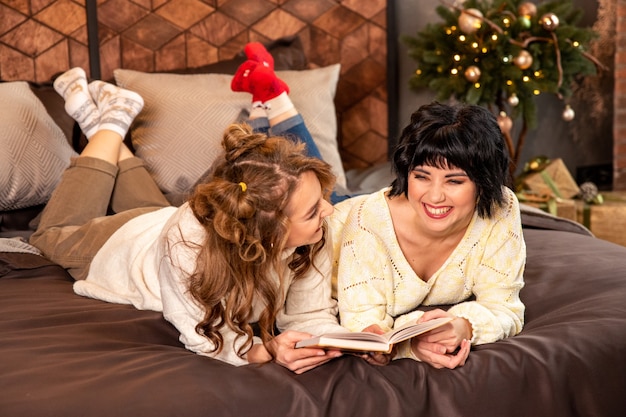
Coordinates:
179 131
34 151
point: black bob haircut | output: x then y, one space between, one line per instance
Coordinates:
463 136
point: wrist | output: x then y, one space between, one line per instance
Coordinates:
258 354
469 330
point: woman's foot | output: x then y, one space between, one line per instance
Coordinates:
118 107
72 86
255 51
258 80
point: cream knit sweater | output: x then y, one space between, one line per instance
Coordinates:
375 284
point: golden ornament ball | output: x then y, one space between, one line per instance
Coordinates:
505 123
472 73
568 113
468 22
549 22
523 60
527 9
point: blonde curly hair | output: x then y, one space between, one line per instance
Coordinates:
241 206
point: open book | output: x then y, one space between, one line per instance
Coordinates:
372 342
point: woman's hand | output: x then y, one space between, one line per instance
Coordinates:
438 346
376 358
285 354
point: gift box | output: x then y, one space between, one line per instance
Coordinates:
552 179
564 208
606 220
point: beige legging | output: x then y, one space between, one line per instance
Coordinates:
76 222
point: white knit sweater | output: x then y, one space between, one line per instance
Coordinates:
375 284
144 264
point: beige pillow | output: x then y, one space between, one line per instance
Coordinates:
179 131
34 151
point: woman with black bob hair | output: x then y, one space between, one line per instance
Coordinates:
444 240
440 135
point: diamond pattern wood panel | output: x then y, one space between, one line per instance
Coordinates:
40 38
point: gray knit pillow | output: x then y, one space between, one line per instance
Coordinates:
179 131
33 149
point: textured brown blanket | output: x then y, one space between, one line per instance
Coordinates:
64 355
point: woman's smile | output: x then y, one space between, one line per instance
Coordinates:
436 212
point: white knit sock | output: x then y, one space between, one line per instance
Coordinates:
72 86
118 106
257 111
278 105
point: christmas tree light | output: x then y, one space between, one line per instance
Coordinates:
502 54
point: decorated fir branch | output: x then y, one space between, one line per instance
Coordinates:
502 54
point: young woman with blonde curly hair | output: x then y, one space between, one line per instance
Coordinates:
247 248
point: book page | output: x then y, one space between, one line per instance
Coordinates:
410 330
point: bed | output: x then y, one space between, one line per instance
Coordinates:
66 355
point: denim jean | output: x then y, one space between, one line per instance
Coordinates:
292 128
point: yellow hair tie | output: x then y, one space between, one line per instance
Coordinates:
243 186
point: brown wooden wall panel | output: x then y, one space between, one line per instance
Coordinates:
40 38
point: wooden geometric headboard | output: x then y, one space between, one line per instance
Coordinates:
43 38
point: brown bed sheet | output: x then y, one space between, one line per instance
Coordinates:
64 355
